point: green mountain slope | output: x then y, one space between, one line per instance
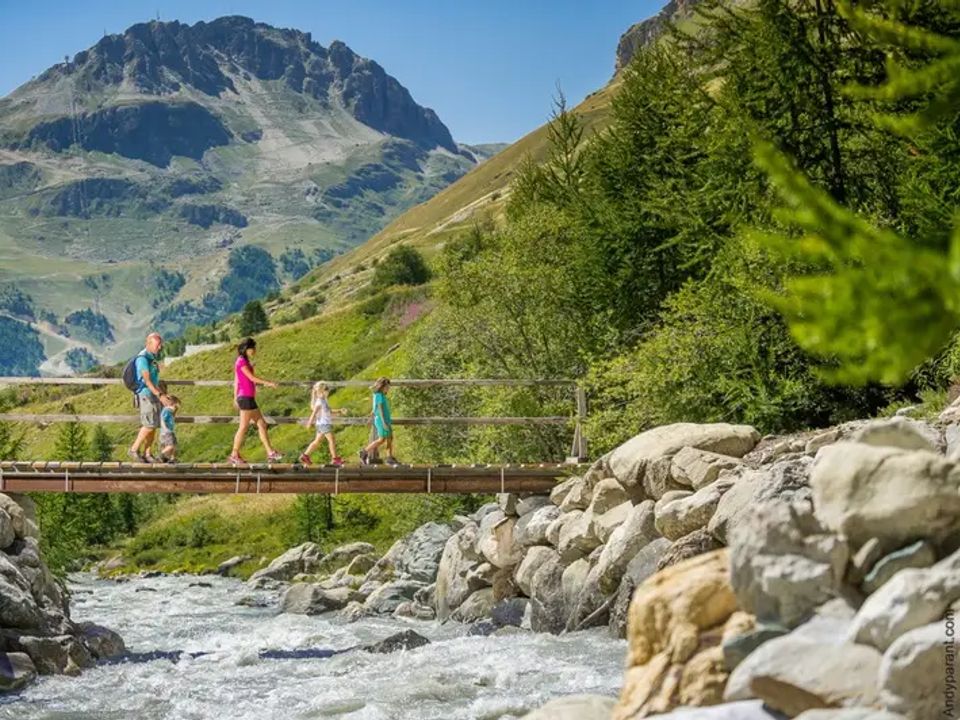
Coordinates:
134 177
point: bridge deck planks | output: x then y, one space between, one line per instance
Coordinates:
50 476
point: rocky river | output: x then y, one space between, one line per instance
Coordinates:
455 676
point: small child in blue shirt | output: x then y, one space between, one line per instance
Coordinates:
168 427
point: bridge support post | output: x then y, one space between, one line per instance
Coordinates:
578 453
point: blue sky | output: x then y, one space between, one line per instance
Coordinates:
488 68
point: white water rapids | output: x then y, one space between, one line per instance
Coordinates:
455 677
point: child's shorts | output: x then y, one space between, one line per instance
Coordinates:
324 428
168 439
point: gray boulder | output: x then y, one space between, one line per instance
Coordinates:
560 491
643 565
625 542
495 540
16 513
476 607
7 535
527 505
578 495
531 528
698 468
386 598
900 432
313 599
55 655
531 562
102 641
696 543
895 495
404 640
18 607
227 566
16 671
783 481
646 459
913 674
683 515
341 556
507 503
910 599
602 526
422 550
546 598
783 564
455 580
576 537
303 559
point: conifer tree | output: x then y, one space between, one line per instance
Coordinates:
253 319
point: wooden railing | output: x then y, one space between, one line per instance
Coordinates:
578 417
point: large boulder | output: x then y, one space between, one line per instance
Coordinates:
102 641
685 514
645 461
607 494
900 432
314 599
602 526
495 540
341 556
576 536
527 505
531 562
16 513
56 655
783 563
18 607
625 542
422 549
575 707
455 576
914 672
476 607
674 633
7 534
910 599
546 597
531 528
920 554
698 468
792 674
572 582
699 542
578 495
16 671
783 481
643 565
386 598
895 495
301 560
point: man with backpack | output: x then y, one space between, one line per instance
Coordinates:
142 377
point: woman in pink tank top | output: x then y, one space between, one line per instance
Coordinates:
245 400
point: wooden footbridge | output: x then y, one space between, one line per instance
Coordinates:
257 478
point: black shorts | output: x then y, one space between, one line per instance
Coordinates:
247 403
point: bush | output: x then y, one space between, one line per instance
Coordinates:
403 265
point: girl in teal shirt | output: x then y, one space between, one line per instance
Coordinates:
382 422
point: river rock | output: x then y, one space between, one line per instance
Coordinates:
624 543
643 565
509 613
18 608
677 617
783 481
303 558
918 555
863 560
341 556
413 609
699 542
793 674
747 710
385 599
527 505
507 502
575 707
16 514
546 598
7 535
476 607
685 514
655 448
602 526
421 552
900 432
560 491
57 655
578 496
783 563
738 647
531 528
226 567
16 671
910 599
313 599
913 674
495 540
895 495
534 557
607 494
404 640
576 538
360 565
353 611
103 642
699 468
857 713
455 580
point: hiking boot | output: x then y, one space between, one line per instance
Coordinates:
305 459
149 458
364 457
391 461
135 456
168 459
338 461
